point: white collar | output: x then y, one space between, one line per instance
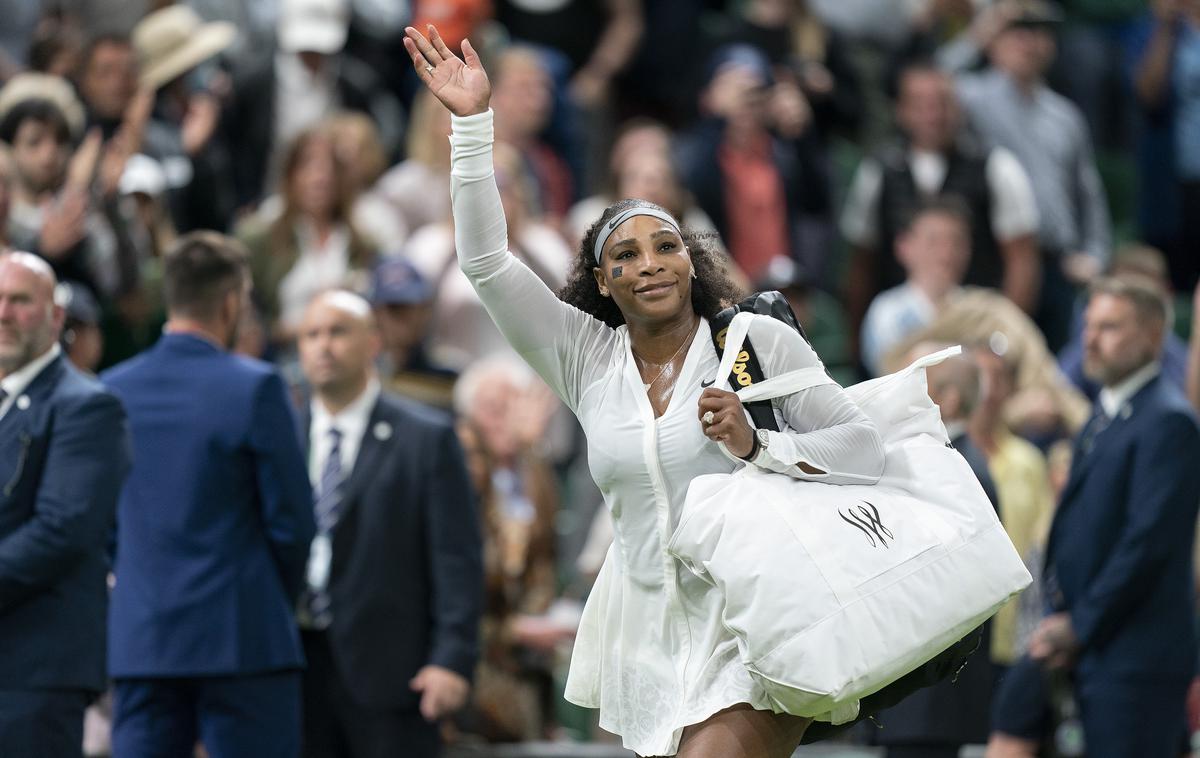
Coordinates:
1113 399
351 420
16 382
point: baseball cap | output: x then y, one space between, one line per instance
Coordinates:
398 282
313 26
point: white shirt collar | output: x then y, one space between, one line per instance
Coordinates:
351 420
16 382
1113 399
955 429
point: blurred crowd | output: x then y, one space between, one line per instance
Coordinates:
907 172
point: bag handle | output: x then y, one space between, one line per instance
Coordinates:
777 386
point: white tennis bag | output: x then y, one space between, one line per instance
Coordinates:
835 591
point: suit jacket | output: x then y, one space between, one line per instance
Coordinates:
406 576
62 460
215 521
954 711
1119 557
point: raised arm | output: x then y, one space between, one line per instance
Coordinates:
563 344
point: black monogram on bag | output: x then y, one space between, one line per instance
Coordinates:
865 518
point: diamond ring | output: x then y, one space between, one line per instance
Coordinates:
428 69
707 418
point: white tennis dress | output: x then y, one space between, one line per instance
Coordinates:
651 653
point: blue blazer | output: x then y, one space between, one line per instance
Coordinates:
1119 558
215 521
63 457
406 576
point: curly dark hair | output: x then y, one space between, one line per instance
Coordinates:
712 289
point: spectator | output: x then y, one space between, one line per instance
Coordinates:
308 79
213 530
1119 559
934 248
403 303
172 45
523 100
107 81
387 659
1045 406
356 141
1010 106
308 242
1164 82
504 413
462 330
756 167
639 166
417 190
796 42
81 340
597 38
52 211
64 451
1023 491
931 156
935 722
1149 264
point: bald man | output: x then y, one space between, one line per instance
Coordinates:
64 452
395 576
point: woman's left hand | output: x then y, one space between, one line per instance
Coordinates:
729 423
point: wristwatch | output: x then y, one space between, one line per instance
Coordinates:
763 438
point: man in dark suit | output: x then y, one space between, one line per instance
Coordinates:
1118 573
935 722
395 577
64 451
213 530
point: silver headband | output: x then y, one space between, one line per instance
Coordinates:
622 217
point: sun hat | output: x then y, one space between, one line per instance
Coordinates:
172 41
31 85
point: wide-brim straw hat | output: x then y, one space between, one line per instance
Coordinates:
172 41
31 85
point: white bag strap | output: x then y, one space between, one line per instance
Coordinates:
933 359
785 384
735 336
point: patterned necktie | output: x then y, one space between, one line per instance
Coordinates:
329 493
1094 427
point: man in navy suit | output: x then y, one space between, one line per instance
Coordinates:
395 577
1118 570
64 451
213 530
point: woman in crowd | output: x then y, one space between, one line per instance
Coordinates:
628 350
307 243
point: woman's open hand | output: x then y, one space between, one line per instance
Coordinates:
463 87
728 421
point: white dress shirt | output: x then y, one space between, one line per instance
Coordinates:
16 382
351 421
1114 399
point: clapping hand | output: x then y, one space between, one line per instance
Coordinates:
460 84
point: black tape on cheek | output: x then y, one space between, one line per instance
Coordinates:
617 271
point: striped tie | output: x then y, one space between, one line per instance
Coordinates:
329 490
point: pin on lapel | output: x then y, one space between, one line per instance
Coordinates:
382 431
23 403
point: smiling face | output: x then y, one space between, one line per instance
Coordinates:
646 269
